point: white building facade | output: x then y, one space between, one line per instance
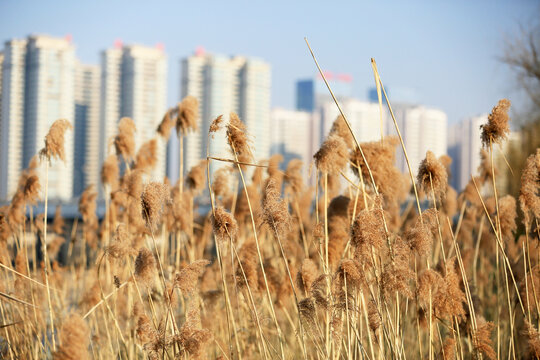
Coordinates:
134 84
223 84
49 96
37 89
464 145
12 116
291 136
86 132
422 129
363 116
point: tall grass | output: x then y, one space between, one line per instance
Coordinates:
375 265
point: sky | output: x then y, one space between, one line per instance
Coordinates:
446 53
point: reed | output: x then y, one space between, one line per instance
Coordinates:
352 268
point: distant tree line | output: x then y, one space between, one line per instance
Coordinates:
522 55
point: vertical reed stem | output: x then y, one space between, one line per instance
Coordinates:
45 256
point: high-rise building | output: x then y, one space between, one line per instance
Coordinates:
363 116
133 84
291 136
254 103
454 151
223 84
12 116
464 146
311 93
422 129
49 96
110 98
37 89
86 132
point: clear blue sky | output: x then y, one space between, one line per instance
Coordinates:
446 52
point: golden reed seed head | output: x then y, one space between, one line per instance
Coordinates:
449 204
507 215
530 281
448 350
192 340
293 176
533 340
350 270
497 129
447 162
146 158
121 245
485 170
451 303
249 268
54 141
333 155
153 199
374 318
237 137
31 189
529 197
340 128
165 126
367 231
124 141
110 172
145 330
216 124
432 171
306 276
132 183
16 210
187 115
145 267
318 292
380 156
5 234
273 165
429 282
187 279
308 313
482 338
420 236
224 224
87 203
196 178
258 175
275 211
221 184
34 163
397 274
74 339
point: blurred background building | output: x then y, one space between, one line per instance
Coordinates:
464 145
312 93
133 84
38 89
12 115
86 131
223 84
42 81
422 128
291 135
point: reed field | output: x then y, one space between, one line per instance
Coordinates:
359 261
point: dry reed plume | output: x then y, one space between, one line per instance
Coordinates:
124 141
251 260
